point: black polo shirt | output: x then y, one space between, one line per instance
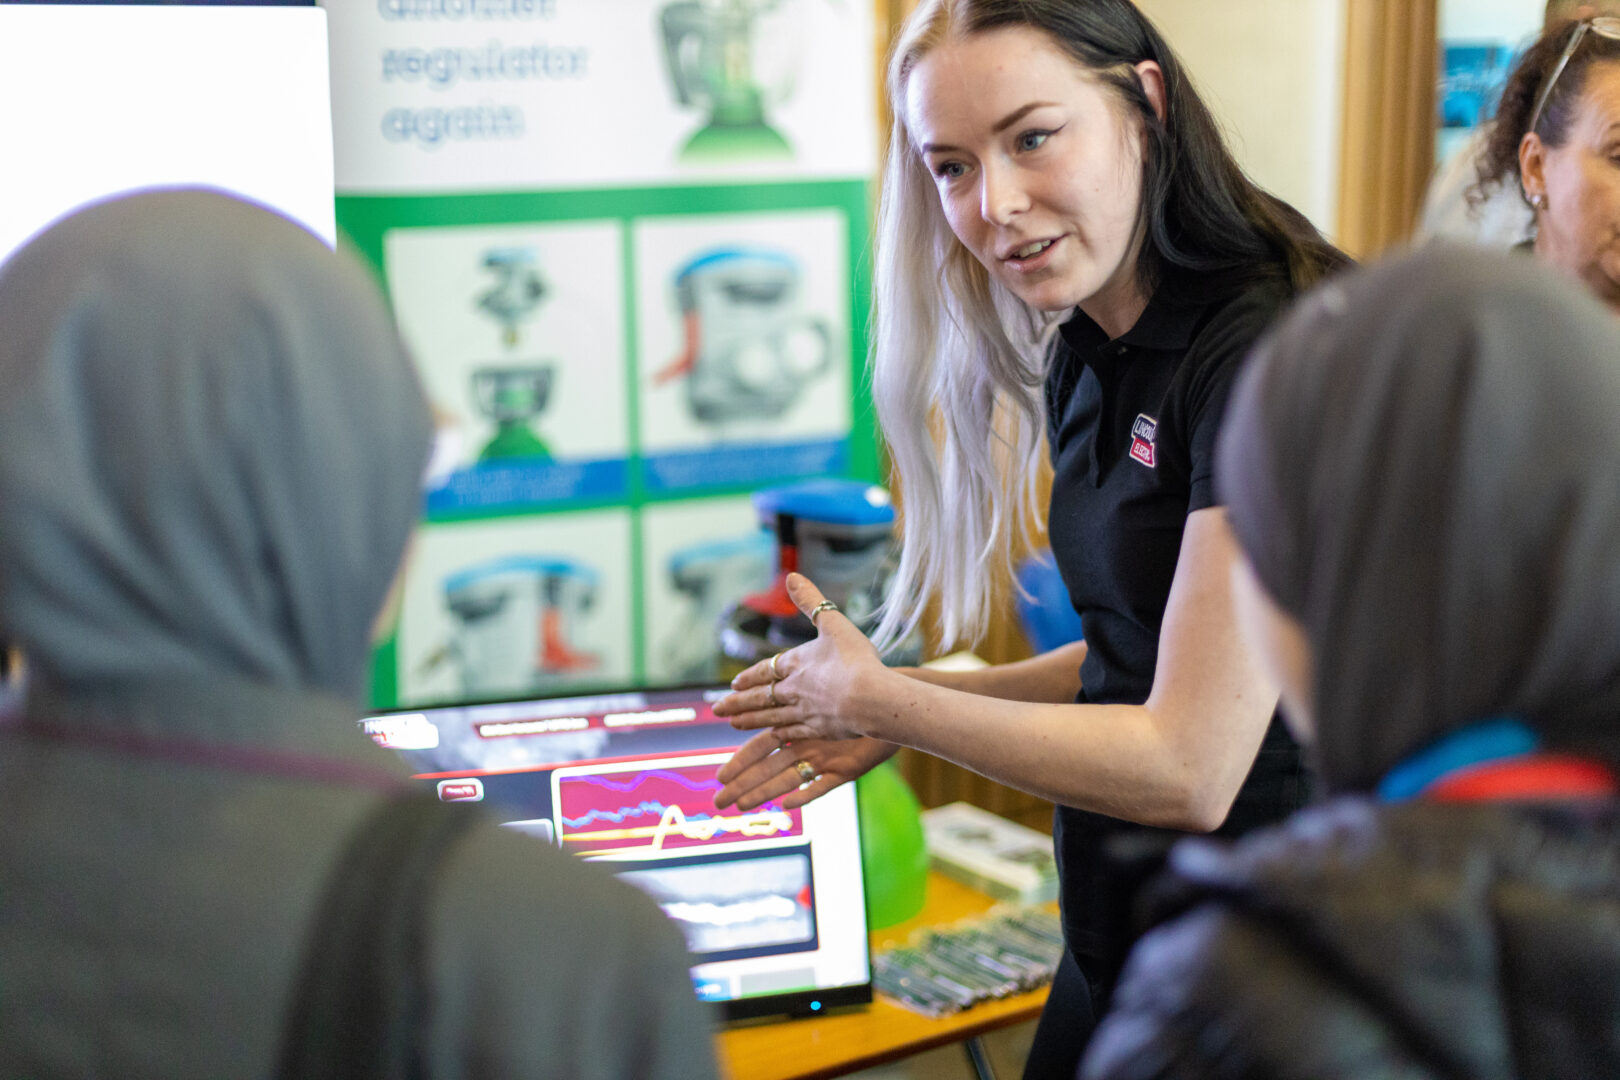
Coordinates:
1131 425
1131 429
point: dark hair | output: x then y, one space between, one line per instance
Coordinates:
1501 157
1200 211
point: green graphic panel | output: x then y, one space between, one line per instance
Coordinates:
593 324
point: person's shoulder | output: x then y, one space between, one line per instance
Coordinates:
1249 946
496 873
1366 922
1347 844
1247 306
1235 313
554 967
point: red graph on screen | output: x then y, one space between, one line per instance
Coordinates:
668 808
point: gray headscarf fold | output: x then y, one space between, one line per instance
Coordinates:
1423 464
211 444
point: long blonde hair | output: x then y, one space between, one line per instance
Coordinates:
957 368
958 362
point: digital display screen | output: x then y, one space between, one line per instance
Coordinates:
769 900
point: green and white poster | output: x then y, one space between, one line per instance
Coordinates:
624 240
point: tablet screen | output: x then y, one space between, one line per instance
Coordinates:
770 900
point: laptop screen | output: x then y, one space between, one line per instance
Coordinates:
770 900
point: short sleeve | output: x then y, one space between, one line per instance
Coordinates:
1218 353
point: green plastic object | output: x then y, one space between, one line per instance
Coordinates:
893 858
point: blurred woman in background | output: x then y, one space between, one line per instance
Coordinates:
1556 137
1420 469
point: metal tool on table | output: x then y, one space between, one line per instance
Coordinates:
940 971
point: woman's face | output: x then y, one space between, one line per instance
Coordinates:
1578 225
1038 171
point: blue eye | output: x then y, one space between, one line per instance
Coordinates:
950 170
1032 140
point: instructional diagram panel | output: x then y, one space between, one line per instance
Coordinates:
625 243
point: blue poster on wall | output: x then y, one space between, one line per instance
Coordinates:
1472 79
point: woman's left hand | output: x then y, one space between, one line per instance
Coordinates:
813 693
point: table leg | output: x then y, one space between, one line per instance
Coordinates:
979 1059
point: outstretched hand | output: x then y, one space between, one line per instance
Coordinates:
811 691
764 768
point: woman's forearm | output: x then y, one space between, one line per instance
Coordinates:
1178 759
1125 761
1052 677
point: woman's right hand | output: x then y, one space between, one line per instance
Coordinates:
765 768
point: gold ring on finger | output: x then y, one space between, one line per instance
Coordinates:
776 676
807 772
774 702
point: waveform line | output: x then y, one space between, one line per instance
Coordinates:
636 781
647 806
760 823
754 909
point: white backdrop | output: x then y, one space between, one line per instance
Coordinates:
101 100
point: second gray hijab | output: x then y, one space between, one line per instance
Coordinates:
1423 464
211 444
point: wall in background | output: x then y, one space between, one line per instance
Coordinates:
1479 42
1272 71
1489 19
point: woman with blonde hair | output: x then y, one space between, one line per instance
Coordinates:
1065 249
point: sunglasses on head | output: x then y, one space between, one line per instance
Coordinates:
1604 26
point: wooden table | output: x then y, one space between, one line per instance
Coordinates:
867 1035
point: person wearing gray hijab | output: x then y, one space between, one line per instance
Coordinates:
1420 467
211 448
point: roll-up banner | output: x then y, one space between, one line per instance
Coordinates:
625 241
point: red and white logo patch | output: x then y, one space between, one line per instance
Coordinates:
1143 432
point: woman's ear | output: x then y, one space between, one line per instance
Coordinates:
1151 76
1533 168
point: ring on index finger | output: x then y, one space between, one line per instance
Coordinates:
776 676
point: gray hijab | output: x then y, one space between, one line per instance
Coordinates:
1422 462
211 443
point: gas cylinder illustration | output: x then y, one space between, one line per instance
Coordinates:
732 60
513 392
520 624
747 351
